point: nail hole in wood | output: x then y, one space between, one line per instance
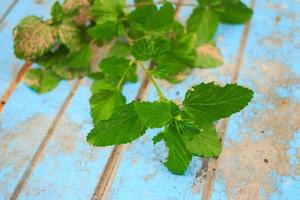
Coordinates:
266 160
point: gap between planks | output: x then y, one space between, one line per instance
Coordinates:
10 7
211 164
38 154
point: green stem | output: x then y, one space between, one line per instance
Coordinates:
151 78
123 77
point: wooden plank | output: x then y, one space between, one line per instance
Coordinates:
27 116
260 158
70 167
140 172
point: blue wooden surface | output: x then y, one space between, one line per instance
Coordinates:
267 129
27 116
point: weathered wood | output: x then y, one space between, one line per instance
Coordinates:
27 116
259 159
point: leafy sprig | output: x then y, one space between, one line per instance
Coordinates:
146 37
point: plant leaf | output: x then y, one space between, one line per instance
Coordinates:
210 102
41 81
77 10
69 35
154 114
57 12
80 59
233 12
123 127
148 18
103 10
115 67
119 49
105 31
104 103
208 56
26 34
61 62
205 142
101 84
161 20
204 23
178 59
145 48
138 18
179 157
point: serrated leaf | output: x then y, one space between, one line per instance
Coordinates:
106 31
154 114
115 67
26 34
119 49
123 127
208 56
104 103
179 157
233 12
138 18
179 59
146 48
162 20
204 23
103 10
69 35
80 59
57 12
148 18
41 81
205 142
60 63
210 102
101 84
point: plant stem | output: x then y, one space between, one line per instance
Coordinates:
157 88
123 77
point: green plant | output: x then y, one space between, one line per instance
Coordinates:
146 37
